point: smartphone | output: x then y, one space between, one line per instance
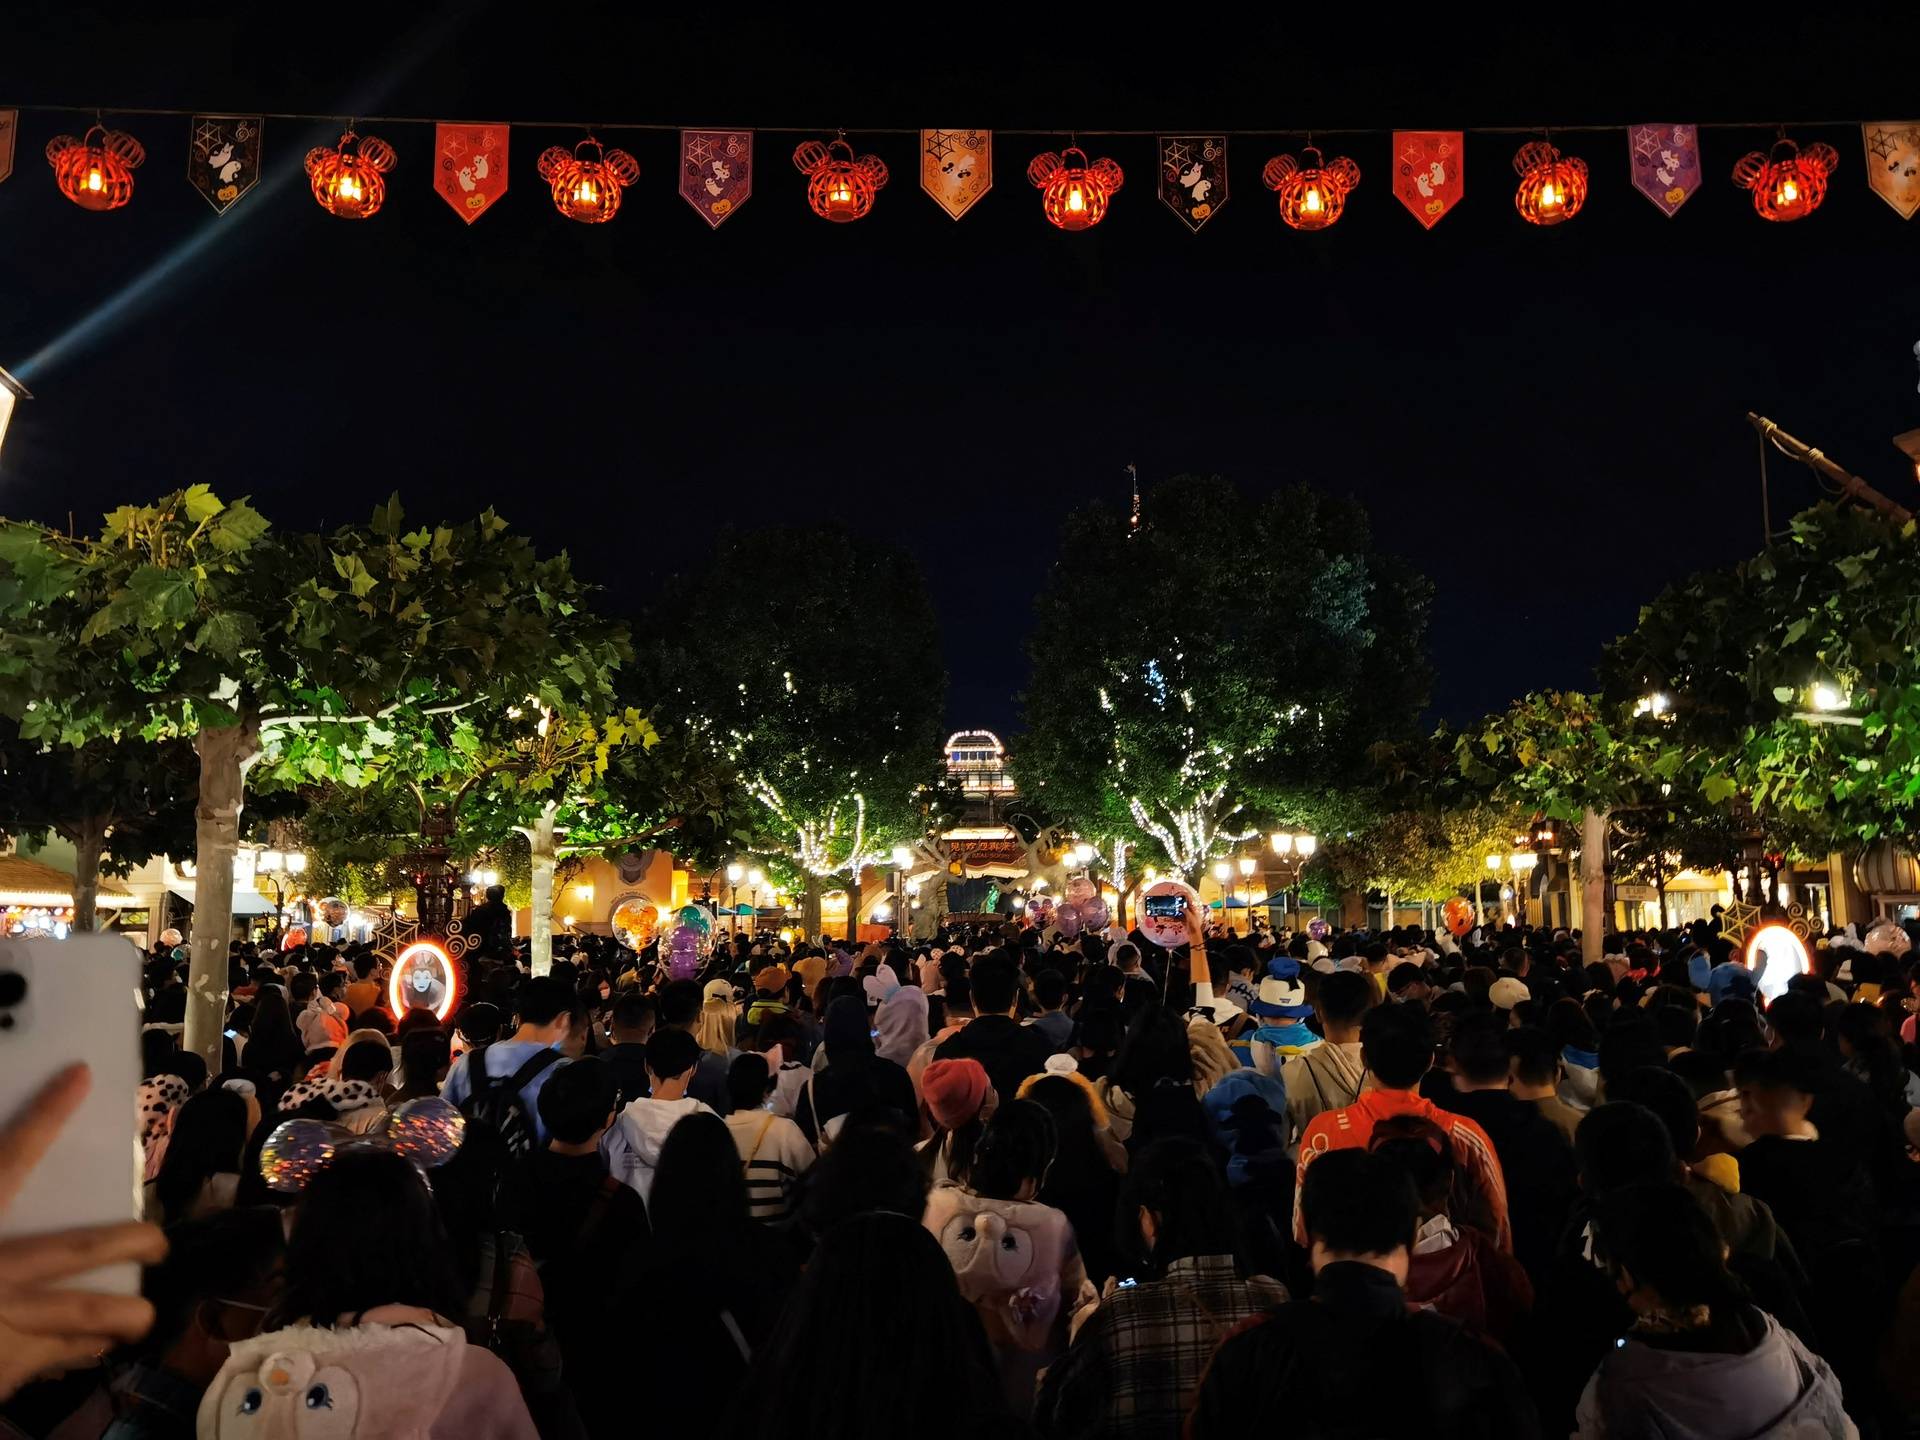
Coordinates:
62 1001
1166 907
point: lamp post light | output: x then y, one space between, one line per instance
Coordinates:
755 879
1293 850
736 872
1246 864
280 868
902 862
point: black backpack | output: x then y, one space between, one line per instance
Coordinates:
495 1099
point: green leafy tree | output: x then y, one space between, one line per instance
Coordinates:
282 655
1222 669
811 664
118 805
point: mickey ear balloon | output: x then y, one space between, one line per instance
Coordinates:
295 1152
427 1131
1066 919
1093 913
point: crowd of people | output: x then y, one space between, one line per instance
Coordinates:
1011 1183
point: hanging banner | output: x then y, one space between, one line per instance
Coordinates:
1193 176
471 167
9 125
1666 163
956 167
716 171
223 159
1893 162
1429 172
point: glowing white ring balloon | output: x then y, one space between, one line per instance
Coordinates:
397 998
1775 955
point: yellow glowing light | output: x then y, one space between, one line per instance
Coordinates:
1076 199
1312 203
1781 955
586 193
94 179
1549 196
1789 192
435 960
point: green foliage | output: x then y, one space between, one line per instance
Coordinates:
133 801
811 664
1223 669
1564 752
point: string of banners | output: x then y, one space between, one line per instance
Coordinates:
469 169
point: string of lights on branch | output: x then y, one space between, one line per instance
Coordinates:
1427 171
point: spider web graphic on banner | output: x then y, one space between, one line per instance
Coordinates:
716 172
1193 176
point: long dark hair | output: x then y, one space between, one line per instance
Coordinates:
877 1283
1663 1237
1869 1035
1154 1052
1179 1182
1077 1156
1018 1146
366 1234
699 1191
209 1134
273 1045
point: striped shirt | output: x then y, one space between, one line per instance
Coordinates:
774 1153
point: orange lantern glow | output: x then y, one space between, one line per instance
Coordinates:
1552 188
350 178
1313 194
423 978
840 186
1788 183
588 180
1073 193
96 173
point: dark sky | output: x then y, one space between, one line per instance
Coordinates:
1549 423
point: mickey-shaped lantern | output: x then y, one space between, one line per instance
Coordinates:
350 178
1073 193
1313 194
1552 187
840 185
1788 183
587 181
96 172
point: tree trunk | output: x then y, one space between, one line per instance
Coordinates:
1593 886
540 844
224 755
853 904
810 920
89 839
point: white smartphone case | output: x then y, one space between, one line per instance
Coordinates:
82 1002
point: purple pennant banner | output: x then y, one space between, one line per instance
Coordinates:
716 171
1666 163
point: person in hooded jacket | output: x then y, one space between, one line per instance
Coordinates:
853 1079
1698 1362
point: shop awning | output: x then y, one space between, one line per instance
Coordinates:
246 899
28 882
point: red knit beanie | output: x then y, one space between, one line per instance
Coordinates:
954 1091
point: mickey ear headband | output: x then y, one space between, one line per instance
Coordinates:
426 1131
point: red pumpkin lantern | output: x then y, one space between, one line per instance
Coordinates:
1552 188
1788 183
587 181
840 186
1311 195
350 178
1073 193
96 173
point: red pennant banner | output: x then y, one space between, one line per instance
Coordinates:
1429 172
956 167
1193 176
1666 163
1893 163
9 126
716 171
470 169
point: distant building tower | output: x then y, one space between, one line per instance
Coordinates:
977 764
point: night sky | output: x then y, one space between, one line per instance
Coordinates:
1549 423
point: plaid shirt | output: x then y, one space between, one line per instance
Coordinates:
1135 1366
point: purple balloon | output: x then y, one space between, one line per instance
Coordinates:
1093 913
1318 929
683 953
1066 917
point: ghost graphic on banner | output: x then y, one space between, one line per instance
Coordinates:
1893 163
223 159
956 167
472 169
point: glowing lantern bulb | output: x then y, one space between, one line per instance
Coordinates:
1312 203
1788 182
93 177
1074 193
1312 192
1789 192
1076 199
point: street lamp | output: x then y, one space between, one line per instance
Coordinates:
902 862
736 872
1293 851
1246 864
755 879
279 867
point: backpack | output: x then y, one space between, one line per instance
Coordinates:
496 1100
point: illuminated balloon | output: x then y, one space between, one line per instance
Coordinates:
427 1131
1887 937
1458 915
1319 929
696 917
683 953
1066 919
333 911
1163 912
1093 913
295 1152
1080 890
1040 909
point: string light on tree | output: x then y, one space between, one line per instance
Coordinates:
587 181
1788 183
1313 193
840 185
1074 193
350 178
96 171
1553 187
